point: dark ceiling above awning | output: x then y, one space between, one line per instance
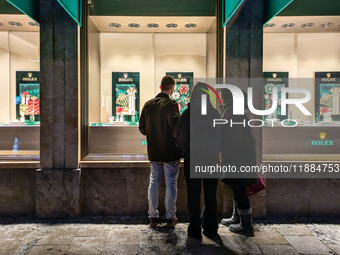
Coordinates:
188 8
7 8
152 8
312 8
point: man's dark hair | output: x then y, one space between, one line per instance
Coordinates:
167 82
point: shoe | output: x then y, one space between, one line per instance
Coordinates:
195 233
153 222
245 227
210 234
195 236
234 219
217 239
171 222
194 240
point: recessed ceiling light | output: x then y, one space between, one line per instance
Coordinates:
14 23
115 25
134 25
307 25
270 25
34 24
151 25
326 25
171 25
190 25
288 25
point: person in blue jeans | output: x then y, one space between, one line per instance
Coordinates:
157 121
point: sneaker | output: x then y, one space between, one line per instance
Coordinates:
242 230
171 222
153 222
232 220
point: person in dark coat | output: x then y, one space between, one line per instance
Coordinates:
238 149
157 121
192 125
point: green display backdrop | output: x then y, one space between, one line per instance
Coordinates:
229 7
28 7
28 94
73 8
184 84
327 96
271 80
125 95
271 8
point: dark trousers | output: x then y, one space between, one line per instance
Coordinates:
241 197
208 218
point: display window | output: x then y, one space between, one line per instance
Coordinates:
303 52
128 56
20 89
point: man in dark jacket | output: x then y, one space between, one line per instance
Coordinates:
157 121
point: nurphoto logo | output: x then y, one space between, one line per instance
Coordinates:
238 104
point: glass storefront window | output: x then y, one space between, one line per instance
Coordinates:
126 65
303 52
20 90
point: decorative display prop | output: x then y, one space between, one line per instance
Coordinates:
327 96
125 98
271 80
184 84
27 96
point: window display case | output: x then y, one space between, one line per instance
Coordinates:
20 90
308 55
125 71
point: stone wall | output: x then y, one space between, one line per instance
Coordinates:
17 192
123 192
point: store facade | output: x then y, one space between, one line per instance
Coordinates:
70 125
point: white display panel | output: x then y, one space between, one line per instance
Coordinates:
150 54
19 51
301 54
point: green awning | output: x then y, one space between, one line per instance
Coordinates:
271 8
28 7
229 7
73 8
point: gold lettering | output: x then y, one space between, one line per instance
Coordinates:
30 79
181 80
125 79
328 79
274 79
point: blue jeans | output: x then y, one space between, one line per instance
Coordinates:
170 170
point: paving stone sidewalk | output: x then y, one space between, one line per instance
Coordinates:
133 236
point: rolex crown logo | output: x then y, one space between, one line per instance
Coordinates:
274 75
328 75
29 75
125 75
179 75
322 135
